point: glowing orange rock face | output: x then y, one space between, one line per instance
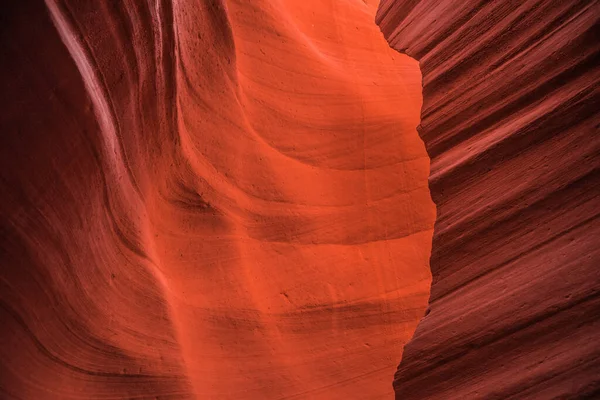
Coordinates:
237 203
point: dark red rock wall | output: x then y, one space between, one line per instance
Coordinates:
81 313
510 121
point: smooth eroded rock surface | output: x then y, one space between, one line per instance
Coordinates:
510 120
208 199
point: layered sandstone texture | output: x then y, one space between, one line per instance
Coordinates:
510 120
208 199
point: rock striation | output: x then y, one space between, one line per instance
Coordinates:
207 199
510 120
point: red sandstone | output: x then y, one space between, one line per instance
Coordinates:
211 200
510 120
229 199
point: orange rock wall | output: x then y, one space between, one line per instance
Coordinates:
510 120
205 199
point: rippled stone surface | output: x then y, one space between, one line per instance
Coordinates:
204 199
510 120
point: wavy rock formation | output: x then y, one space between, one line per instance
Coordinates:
510 120
207 199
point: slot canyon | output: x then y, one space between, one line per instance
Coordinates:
300 199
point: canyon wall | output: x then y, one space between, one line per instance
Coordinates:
510 120
207 199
